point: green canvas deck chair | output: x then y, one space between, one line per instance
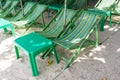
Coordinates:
76 38
106 6
116 10
29 6
6 5
28 21
56 26
10 9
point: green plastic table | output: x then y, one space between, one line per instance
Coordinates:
33 44
4 24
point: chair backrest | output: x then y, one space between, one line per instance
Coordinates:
105 4
83 25
14 4
29 6
116 10
9 10
38 10
57 26
7 4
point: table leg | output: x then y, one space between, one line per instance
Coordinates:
5 29
33 65
12 30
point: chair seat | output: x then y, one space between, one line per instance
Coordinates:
33 43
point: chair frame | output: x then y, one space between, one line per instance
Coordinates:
75 54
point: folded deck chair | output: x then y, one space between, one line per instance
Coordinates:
31 18
29 6
85 25
106 6
56 25
9 10
6 5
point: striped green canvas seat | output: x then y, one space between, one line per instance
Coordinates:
55 27
29 6
77 37
6 5
117 8
9 10
31 18
106 5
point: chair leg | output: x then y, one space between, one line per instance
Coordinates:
55 55
96 31
75 54
17 52
110 15
110 20
5 29
43 21
71 59
33 65
102 24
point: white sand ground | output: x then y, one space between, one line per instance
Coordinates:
100 63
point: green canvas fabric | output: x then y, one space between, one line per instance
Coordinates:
116 10
9 10
31 18
56 27
106 5
6 5
85 23
29 6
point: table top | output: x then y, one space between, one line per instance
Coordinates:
33 43
4 22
